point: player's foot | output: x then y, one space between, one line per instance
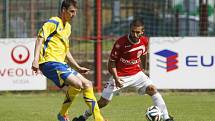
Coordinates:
75 119
170 119
80 118
62 118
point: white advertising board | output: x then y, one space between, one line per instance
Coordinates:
183 62
15 66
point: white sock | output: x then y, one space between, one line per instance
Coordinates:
158 101
87 114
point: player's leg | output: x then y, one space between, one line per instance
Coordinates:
70 93
107 95
89 98
58 73
157 100
102 102
145 85
67 76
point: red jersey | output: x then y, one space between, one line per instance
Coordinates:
127 55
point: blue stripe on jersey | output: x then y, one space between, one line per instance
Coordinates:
50 36
53 21
47 41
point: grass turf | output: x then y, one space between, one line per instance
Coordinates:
187 106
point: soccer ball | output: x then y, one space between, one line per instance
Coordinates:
153 113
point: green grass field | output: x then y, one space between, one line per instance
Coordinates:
184 106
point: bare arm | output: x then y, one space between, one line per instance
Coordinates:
38 45
72 60
75 64
112 69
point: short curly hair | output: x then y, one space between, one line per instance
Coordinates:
137 23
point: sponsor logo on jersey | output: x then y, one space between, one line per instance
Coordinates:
129 62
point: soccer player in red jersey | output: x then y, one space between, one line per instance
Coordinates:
124 66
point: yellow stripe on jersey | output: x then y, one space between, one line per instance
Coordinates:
56 40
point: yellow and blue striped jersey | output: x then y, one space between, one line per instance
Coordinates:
56 40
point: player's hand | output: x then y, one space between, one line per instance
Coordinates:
35 66
119 83
83 70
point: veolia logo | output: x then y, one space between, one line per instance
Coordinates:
20 54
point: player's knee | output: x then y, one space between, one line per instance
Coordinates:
151 90
77 85
87 84
102 102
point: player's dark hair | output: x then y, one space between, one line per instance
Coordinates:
67 3
137 23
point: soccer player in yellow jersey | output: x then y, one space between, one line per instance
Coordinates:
51 50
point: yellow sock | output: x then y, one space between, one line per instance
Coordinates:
70 96
91 101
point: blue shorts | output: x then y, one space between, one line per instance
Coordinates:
57 72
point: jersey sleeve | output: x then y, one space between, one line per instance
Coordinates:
115 53
47 29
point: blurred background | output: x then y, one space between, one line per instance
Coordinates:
163 18
23 18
